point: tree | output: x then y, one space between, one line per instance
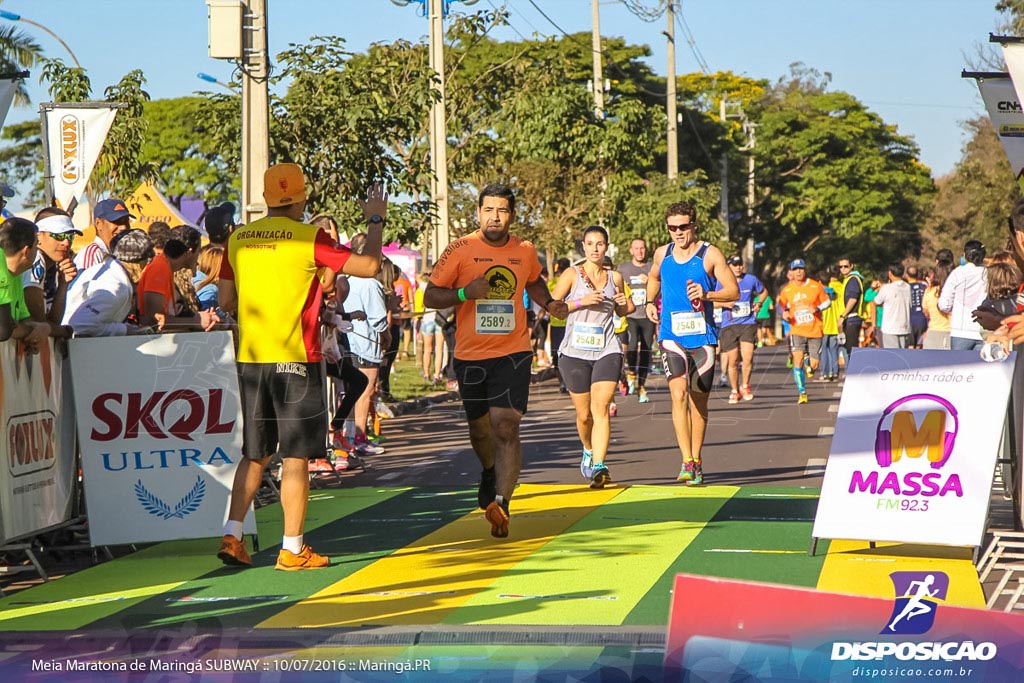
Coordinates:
18 51
974 200
834 178
119 168
182 153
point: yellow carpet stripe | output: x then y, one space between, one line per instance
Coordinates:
852 567
423 582
627 545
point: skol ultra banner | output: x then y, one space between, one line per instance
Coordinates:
915 447
37 442
1004 111
160 432
74 138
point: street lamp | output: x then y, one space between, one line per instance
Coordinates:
435 11
11 16
210 79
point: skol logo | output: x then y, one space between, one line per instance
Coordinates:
178 413
30 442
71 149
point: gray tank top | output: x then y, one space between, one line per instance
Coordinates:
589 331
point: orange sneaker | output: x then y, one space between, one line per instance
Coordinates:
232 552
288 561
498 518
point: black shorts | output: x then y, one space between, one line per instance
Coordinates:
283 410
730 336
579 375
917 335
764 323
697 365
502 382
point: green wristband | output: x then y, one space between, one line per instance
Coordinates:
462 293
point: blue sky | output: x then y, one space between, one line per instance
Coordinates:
901 57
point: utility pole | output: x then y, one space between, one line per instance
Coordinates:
673 132
439 130
748 249
255 108
598 83
723 213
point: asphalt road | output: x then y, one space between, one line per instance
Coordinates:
770 440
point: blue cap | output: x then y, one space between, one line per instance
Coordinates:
797 263
111 210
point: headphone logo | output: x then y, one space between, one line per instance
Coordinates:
905 436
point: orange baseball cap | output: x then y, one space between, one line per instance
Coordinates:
284 184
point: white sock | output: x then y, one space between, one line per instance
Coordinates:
292 544
232 528
350 429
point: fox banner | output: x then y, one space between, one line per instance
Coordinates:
74 135
915 447
1005 113
160 432
37 479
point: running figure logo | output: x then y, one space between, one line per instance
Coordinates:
917 598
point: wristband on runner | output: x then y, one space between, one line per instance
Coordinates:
462 293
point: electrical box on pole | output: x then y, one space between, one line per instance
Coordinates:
225 28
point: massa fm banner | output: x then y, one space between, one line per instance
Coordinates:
915 448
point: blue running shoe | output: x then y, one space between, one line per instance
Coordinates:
601 477
587 464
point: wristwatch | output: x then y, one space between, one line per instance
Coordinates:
375 219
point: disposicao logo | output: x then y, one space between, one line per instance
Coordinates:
917 598
918 595
931 440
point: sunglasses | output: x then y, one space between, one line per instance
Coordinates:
63 236
680 226
842 267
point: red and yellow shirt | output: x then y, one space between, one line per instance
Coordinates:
802 301
495 326
273 263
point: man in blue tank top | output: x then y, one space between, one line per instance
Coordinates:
685 273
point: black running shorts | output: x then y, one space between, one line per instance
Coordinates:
731 335
502 382
283 410
697 365
579 375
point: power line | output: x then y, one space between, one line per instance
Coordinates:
602 52
690 40
644 12
510 24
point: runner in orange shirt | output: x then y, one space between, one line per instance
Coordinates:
483 275
802 302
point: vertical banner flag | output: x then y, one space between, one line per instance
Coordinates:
1006 115
74 138
915 447
8 87
160 432
37 444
